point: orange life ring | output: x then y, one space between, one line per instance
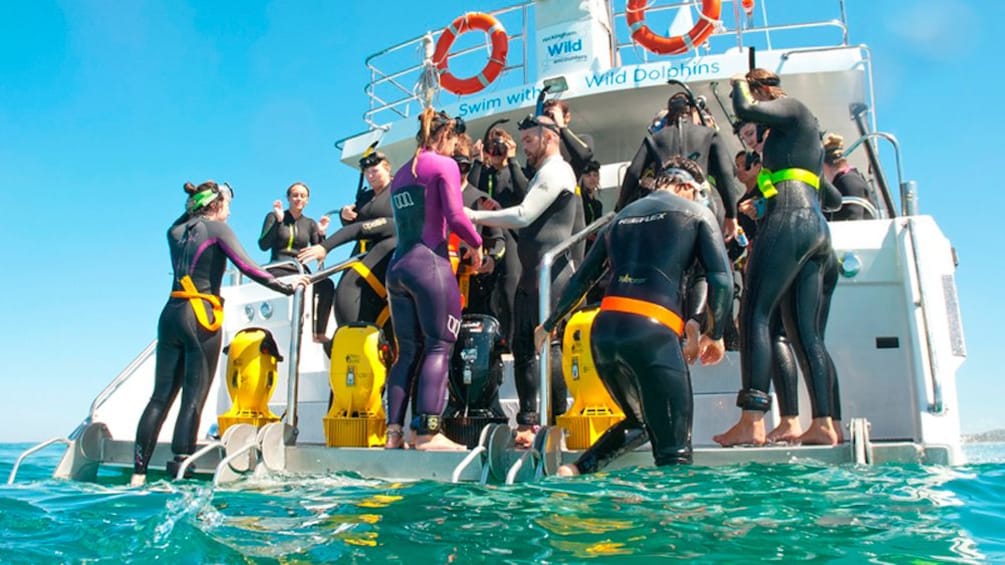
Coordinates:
662 45
497 60
748 7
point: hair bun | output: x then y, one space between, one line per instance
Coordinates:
189 188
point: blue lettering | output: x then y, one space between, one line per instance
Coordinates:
567 46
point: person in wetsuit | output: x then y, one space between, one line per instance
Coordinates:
547 217
481 286
847 179
684 136
360 295
188 332
788 263
425 301
635 338
285 234
496 172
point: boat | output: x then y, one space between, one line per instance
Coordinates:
894 332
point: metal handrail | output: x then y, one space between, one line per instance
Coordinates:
908 190
227 460
455 476
190 460
31 451
544 305
120 379
863 202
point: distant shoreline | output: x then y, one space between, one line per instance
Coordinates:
993 436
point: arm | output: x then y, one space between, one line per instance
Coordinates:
453 207
712 256
579 151
269 229
830 196
593 268
518 180
630 186
770 113
378 228
232 248
721 167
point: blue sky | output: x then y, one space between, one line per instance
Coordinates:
106 109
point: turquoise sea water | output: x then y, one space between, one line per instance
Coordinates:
848 514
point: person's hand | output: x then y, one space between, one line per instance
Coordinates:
712 350
301 281
486 203
477 151
748 208
511 149
729 230
323 224
488 265
474 257
559 116
348 213
277 209
541 337
692 336
314 252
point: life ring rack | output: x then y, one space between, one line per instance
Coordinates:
635 14
472 21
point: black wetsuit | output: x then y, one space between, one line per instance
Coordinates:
696 142
507 187
285 239
650 244
787 267
425 301
482 296
850 182
356 299
576 150
187 353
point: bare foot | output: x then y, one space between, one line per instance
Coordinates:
568 470
524 437
395 437
438 442
821 432
748 431
138 480
787 431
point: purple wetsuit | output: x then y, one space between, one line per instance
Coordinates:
425 300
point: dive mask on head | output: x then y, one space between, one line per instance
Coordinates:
679 176
371 160
532 121
442 119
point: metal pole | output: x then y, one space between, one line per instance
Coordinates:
293 375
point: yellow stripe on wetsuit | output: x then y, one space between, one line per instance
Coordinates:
366 274
766 179
195 298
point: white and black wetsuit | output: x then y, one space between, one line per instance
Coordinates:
548 216
650 245
187 353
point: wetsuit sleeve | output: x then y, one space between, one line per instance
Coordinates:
580 151
592 269
475 174
630 185
232 248
269 230
721 167
315 235
538 199
770 113
712 256
377 228
453 207
830 196
518 180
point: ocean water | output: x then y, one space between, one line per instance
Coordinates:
847 514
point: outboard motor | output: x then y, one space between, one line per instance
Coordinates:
476 371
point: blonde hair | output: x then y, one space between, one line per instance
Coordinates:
433 126
767 81
834 150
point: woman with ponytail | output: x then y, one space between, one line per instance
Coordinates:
425 301
188 332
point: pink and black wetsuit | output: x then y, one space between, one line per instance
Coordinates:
425 300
